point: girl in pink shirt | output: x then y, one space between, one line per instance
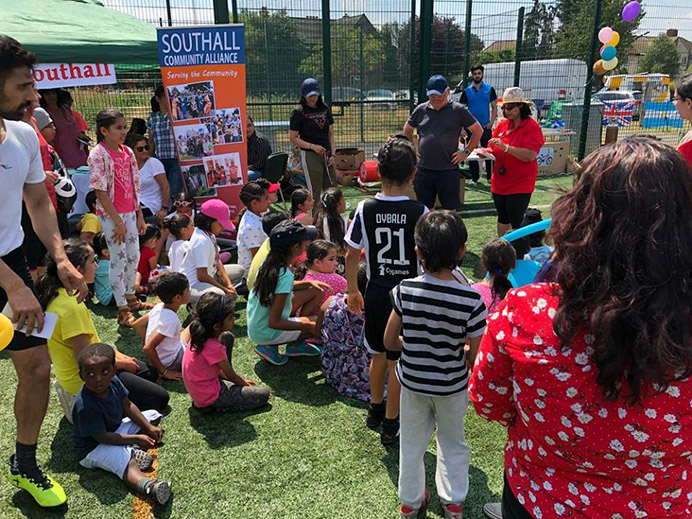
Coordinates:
208 374
114 177
321 263
497 259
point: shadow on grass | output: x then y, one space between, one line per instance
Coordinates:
225 429
472 263
164 512
23 501
299 381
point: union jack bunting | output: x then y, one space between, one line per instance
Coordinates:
618 113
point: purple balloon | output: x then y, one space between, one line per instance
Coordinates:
631 11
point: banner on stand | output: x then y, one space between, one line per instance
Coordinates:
203 72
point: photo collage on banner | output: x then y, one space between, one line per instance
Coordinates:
203 71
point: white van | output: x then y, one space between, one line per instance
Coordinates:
547 79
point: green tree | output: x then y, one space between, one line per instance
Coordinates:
395 74
347 62
448 48
539 32
496 56
662 56
274 51
573 38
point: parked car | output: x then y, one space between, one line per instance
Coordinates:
375 99
403 95
621 98
345 94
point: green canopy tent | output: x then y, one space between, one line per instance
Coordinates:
79 31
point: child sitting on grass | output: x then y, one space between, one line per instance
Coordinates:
148 257
208 372
433 316
102 282
271 302
301 206
107 425
497 259
321 264
164 343
181 228
89 225
251 236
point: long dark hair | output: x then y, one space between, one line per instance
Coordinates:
177 223
498 258
397 159
298 198
154 102
105 119
623 236
327 209
320 102
78 252
212 308
268 276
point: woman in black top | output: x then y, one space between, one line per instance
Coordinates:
311 130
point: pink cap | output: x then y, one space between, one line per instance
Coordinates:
219 211
273 188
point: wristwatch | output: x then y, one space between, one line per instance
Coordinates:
467 151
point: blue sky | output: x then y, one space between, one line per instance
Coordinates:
492 19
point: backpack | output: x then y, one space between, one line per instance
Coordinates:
345 360
65 191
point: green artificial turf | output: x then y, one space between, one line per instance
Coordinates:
307 455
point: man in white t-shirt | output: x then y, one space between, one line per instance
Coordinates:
22 175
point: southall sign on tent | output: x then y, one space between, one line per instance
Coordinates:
60 75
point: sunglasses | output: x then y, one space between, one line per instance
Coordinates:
142 148
182 203
510 106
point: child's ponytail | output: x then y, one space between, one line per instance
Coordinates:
212 309
397 159
48 284
328 221
498 258
268 275
176 224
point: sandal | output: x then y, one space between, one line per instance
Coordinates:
125 318
136 306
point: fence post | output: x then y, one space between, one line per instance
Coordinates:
426 24
519 45
234 9
220 11
326 52
586 107
168 13
361 66
412 58
467 44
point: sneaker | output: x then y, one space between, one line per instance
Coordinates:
375 415
271 354
160 491
492 511
45 491
406 512
452 510
302 350
390 432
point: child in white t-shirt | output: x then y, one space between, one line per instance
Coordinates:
251 235
164 343
181 227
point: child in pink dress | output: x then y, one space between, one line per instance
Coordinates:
321 266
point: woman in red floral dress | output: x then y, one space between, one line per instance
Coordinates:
591 374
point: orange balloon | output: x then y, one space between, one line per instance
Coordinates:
598 68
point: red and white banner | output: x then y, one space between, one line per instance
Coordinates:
57 75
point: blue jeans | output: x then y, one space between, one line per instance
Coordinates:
253 175
174 175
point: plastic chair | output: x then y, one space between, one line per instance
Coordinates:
275 169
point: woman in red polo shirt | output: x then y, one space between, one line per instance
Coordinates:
516 142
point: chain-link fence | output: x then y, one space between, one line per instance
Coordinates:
379 50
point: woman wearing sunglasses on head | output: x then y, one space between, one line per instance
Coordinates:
516 142
155 191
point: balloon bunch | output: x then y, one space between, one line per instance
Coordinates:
610 38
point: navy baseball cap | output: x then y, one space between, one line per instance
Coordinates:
310 87
288 232
437 85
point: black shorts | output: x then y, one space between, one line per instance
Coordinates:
444 184
16 261
34 250
378 308
511 208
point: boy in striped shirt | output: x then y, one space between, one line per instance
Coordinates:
433 317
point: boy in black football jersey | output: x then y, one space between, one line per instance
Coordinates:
384 226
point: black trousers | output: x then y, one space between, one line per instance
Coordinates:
511 507
143 390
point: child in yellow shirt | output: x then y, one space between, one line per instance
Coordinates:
89 226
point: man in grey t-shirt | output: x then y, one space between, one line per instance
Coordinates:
439 122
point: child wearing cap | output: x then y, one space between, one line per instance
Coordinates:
272 190
271 302
251 236
202 265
